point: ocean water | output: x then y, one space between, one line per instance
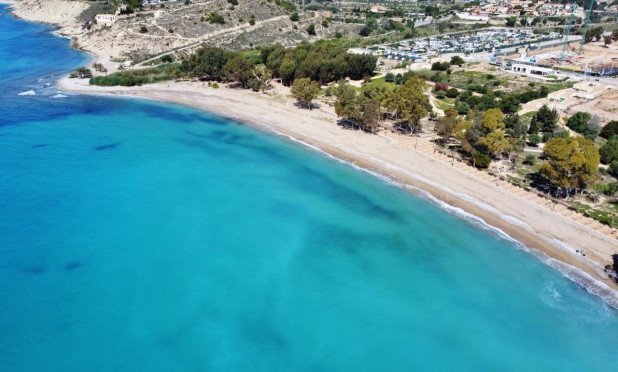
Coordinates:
138 236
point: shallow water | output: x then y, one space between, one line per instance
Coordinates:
142 236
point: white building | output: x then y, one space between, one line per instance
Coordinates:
531 70
106 19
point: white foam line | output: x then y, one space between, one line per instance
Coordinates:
578 276
590 284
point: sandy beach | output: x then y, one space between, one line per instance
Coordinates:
549 235
547 231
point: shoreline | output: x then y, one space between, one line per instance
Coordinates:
549 236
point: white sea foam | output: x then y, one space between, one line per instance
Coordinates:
583 279
59 96
27 93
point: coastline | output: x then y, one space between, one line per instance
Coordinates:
549 236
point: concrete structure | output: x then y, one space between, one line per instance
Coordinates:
484 17
106 19
524 69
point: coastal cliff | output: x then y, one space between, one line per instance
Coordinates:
63 13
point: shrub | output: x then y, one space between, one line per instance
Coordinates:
609 130
452 93
613 168
440 94
311 29
215 17
389 77
535 139
530 159
547 136
463 108
294 17
143 30
440 86
171 30
440 66
481 160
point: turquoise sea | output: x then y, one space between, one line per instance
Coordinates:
137 236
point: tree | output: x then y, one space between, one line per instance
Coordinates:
261 79
365 31
495 143
535 139
238 69
457 61
607 40
609 151
514 126
346 105
593 34
389 77
206 63
305 91
409 102
510 22
534 126
440 66
294 17
579 121
493 120
84 72
609 130
546 118
571 162
370 113
447 124
510 104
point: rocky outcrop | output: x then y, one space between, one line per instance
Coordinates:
63 13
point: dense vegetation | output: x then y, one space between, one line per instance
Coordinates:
321 62
138 77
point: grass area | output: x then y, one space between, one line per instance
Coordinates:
603 217
139 77
444 103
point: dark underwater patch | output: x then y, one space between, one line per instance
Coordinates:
73 265
34 270
39 146
111 146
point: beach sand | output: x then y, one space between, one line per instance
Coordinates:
549 235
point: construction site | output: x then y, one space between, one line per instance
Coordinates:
595 58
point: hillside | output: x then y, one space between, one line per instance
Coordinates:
180 28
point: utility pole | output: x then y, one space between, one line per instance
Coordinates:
581 46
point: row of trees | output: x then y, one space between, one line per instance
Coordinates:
406 105
323 63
